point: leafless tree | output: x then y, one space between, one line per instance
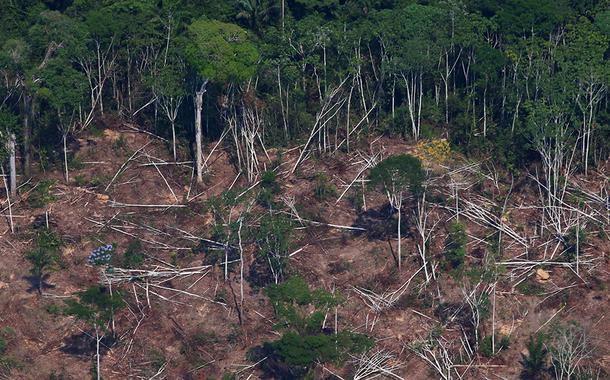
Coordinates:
570 347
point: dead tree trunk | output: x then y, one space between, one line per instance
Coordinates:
12 165
27 133
198 137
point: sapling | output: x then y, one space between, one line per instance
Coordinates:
44 257
396 175
96 306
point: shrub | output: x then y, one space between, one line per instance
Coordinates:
397 173
437 150
133 256
455 248
485 348
573 242
265 198
44 257
273 240
41 195
298 350
95 305
323 188
534 363
301 312
269 181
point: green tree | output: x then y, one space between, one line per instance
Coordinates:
219 52
394 176
96 306
534 363
44 257
301 312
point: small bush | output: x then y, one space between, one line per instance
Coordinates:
455 248
269 181
323 188
133 257
485 348
265 198
301 313
534 363
41 195
44 257
573 242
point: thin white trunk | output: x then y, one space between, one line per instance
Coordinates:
67 176
97 352
12 165
198 137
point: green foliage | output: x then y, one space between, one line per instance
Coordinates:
133 257
534 363
485 347
397 173
273 240
44 257
298 350
573 242
269 181
301 313
323 188
455 246
221 52
530 288
290 300
41 195
269 189
96 305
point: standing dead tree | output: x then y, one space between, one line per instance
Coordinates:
198 132
476 299
246 128
570 348
435 352
552 141
330 107
424 230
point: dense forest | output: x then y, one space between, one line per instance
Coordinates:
307 158
499 79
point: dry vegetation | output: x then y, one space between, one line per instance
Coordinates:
484 265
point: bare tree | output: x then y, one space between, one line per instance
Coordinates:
198 137
570 348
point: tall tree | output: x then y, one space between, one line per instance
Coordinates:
220 53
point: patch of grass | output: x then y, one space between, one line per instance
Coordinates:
530 288
80 180
75 163
54 309
95 131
